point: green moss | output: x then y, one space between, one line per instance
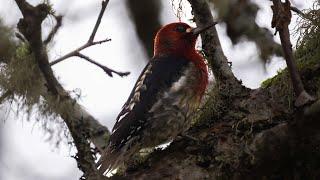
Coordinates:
22 82
213 107
307 56
268 82
22 76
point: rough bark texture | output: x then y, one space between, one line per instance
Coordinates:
239 133
242 133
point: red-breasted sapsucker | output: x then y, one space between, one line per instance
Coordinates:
167 92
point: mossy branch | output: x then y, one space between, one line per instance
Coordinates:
281 20
78 121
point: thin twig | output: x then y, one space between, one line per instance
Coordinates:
96 26
20 36
54 30
74 52
295 9
104 68
90 41
302 14
281 20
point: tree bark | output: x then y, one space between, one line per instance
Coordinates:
239 133
242 133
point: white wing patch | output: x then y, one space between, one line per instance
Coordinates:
177 86
140 86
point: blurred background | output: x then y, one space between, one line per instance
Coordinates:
25 151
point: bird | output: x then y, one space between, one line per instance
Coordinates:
166 94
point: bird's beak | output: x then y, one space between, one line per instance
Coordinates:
198 30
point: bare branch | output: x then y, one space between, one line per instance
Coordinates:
281 20
295 9
90 41
96 26
104 68
74 52
54 30
302 14
20 36
24 7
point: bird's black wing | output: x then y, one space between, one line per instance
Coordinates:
158 75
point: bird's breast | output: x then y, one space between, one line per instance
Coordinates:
185 90
172 113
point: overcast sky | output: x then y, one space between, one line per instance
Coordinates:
26 154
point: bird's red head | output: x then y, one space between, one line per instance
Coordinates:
175 39
179 39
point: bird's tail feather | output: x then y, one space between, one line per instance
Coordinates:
109 161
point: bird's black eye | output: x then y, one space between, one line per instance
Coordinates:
181 29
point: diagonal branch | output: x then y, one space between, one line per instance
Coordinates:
104 68
302 14
211 44
96 26
90 41
24 7
54 30
296 10
30 27
74 52
281 20
82 126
